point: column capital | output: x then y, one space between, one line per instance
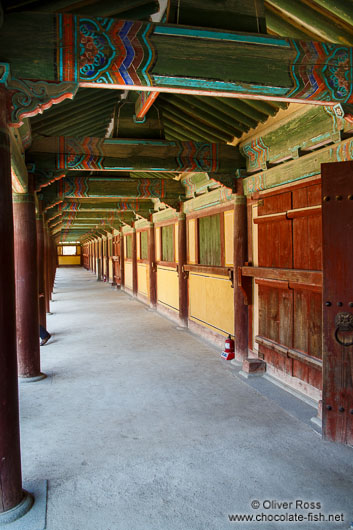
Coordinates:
239 200
23 197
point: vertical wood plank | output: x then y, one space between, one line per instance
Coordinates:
241 320
337 229
183 277
152 265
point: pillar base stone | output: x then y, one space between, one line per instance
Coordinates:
32 379
36 516
253 367
18 511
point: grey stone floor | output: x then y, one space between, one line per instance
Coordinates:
140 426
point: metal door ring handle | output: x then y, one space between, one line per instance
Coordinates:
343 322
339 341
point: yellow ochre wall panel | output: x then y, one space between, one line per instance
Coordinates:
158 244
111 273
168 287
138 244
142 278
128 274
176 237
228 237
69 260
211 302
191 241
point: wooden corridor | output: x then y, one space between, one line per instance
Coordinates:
138 432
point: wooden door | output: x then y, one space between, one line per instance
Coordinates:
337 219
289 281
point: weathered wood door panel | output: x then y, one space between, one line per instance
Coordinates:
275 237
290 312
337 221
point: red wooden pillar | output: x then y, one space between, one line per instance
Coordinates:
54 263
41 267
241 321
134 262
46 267
152 265
51 265
95 256
99 259
12 496
183 277
107 258
103 247
337 231
27 307
122 260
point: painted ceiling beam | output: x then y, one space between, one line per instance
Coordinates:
87 217
170 192
162 58
82 205
99 154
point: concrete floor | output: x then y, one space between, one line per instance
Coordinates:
140 426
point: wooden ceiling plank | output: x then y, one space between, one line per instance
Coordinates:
206 118
218 104
277 25
187 132
341 8
224 117
243 107
80 117
80 103
174 116
315 22
210 130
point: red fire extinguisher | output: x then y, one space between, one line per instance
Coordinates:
228 353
